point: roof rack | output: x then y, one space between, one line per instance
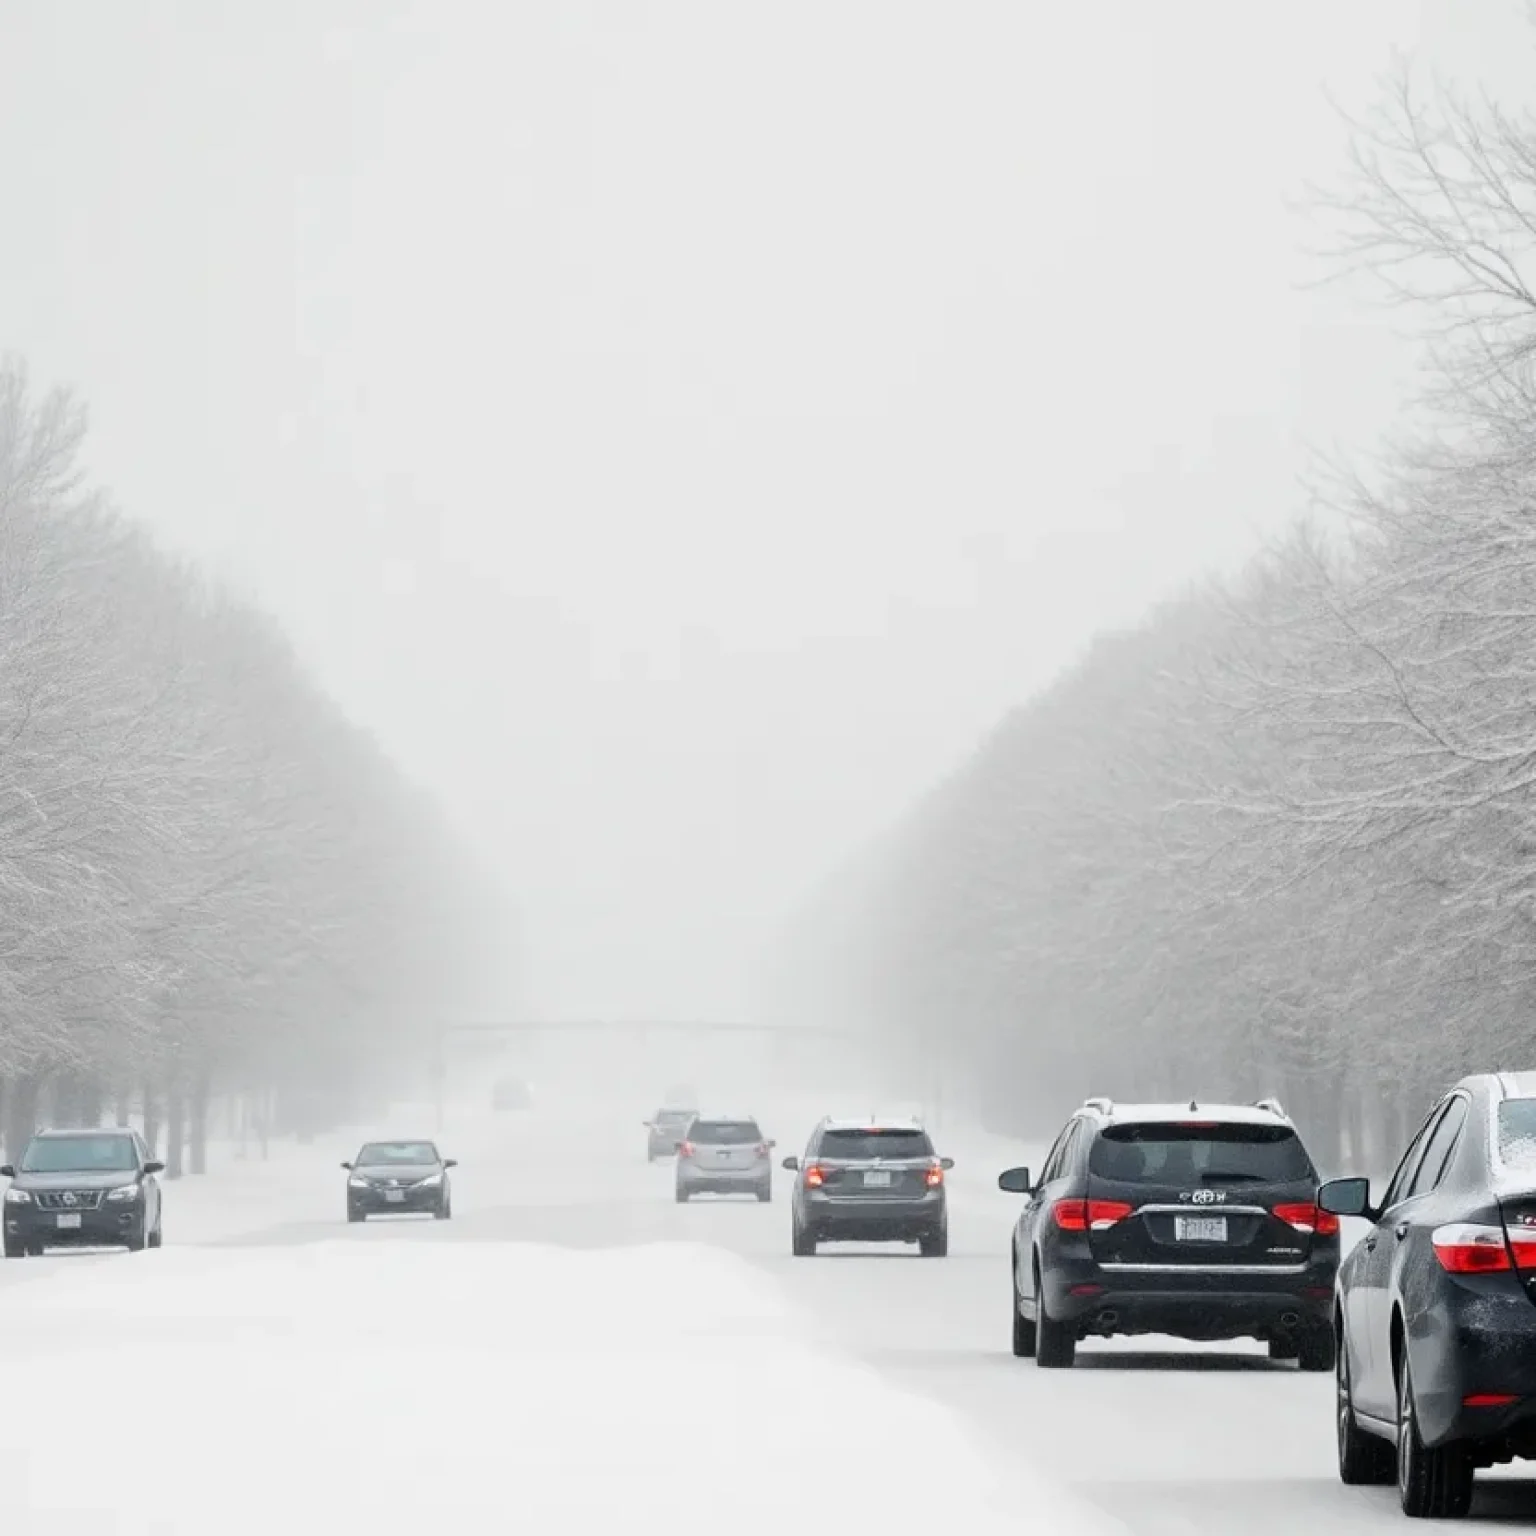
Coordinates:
1104 1106
1274 1106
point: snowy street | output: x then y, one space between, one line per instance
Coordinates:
574 1344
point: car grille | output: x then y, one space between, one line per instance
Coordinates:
68 1199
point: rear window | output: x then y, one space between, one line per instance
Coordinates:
1160 1153
674 1116
866 1145
724 1133
1517 1131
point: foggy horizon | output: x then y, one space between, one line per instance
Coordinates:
679 445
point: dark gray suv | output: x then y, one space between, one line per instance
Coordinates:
863 1183
91 1188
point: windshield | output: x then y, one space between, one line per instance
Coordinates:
725 1133
80 1154
386 1154
1163 1153
1517 1131
874 1142
674 1116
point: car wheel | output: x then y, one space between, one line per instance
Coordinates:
1432 1484
1055 1343
356 1216
1023 1327
682 1195
443 1211
801 1242
1315 1350
1364 1460
1283 1348
765 1192
15 1250
140 1239
935 1246
157 1237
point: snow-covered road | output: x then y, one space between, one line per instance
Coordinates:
1158 1437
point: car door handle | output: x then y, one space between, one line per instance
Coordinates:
1400 1231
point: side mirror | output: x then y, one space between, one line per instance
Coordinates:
154 1165
792 1163
347 1166
1347 1197
450 1162
946 1163
1015 1181
8 1170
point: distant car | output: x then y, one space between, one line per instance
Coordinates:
91 1188
724 1155
666 1130
1196 1220
863 1183
511 1093
1436 1313
395 1178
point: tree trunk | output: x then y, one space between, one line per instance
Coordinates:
123 1098
91 1101
21 1114
152 1119
200 1091
175 1132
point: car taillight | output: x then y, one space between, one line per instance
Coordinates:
1465 1248
1308 1218
762 1149
933 1176
685 1149
815 1176
1083 1215
1522 1243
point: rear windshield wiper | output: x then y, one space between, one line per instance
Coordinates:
1232 1173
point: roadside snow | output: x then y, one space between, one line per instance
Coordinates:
402 1387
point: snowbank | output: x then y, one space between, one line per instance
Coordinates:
408 1387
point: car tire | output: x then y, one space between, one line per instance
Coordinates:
157 1237
140 1239
936 1245
765 1192
1365 1461
356 1216
682 1195
1023 1327
1283 1348
444 1211
1315 1350
16 1250
802 1243
1055 1343
1431 1484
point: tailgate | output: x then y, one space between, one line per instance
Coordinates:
1131 1223
875 1180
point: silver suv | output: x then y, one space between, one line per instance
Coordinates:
664 1133
724 1155
870 1183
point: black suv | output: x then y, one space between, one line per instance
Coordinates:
1196 1220
864 1183
92 1188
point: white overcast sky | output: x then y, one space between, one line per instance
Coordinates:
681 429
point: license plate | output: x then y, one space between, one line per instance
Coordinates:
69 1223
1200 1229
397 1196
880 1180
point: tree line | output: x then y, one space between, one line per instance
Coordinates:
211 882
1280 838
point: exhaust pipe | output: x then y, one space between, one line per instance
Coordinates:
1107 1320
1289 1319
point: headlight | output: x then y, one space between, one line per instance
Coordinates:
17 1197
430 1183
123 1192
356 1183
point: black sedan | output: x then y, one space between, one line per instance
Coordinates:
397 1178
1436 1305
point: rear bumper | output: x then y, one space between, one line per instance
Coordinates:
1203 1305
1482 1344
830 1219
722 1180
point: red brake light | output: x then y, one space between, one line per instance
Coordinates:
1308 1218
1198 1125
762 1149
815 1175
685 1149
1467 1249
1522 1243
1489 1400
1083 1215
934 1176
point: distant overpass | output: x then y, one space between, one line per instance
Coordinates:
640 1027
